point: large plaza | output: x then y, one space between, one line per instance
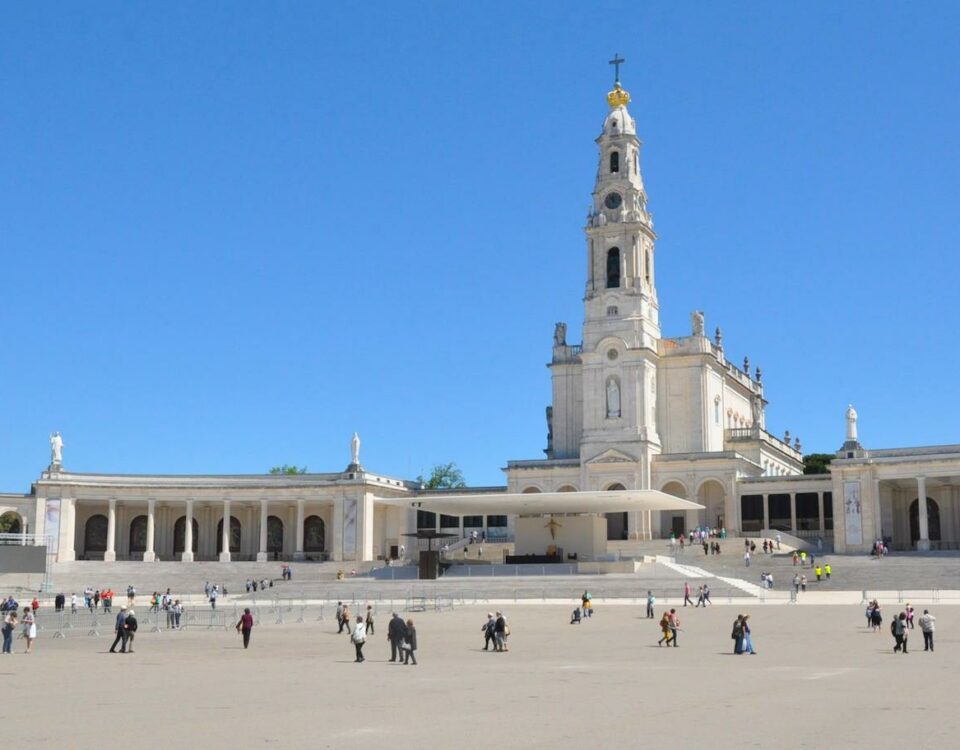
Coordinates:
820 677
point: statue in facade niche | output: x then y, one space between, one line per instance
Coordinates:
56 449
757 410
697 323
355 449
613 399
560 334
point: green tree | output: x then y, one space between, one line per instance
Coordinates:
9 523
285 469
443 477
817 463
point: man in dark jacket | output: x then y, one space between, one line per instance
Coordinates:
120 627
396 632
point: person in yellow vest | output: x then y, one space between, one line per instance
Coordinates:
827 570
819 571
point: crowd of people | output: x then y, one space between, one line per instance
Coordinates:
401 635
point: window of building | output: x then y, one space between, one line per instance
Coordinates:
646 266
612 312
614 161
828 511
613 268
473 522
426 519
449 522
496 521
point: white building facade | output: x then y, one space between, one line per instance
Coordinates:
631 409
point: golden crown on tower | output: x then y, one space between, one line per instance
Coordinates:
619 97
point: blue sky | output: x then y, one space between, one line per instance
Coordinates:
233 233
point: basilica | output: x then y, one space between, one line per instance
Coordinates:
631 409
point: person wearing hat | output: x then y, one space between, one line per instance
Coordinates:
130 625
489 628
120 627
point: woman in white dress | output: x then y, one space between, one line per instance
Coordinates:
29 628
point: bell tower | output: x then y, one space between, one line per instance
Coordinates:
621 296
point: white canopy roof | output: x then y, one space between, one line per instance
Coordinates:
542 503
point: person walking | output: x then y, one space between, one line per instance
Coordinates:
665 630
827 570
410 644
245 625
737 635
10 623
73 604
177 613
130 625
927 623
819 573
803 583
29 628
489 632
214 593
369 620
359 637
908 610
651 601
340 616
746 559
396 632
121 632
500 633
876 617
700 600
674 622
686 594
706 595
899 630
747 638
345 619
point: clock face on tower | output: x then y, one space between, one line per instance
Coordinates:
613 200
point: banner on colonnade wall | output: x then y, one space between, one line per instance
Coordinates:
852 513
349 527
51 525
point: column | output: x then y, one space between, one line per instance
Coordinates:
39 518
878 510
290 532
111 553
298 539
365 513
822 525
262 549
149 555
923 543
187 554
793 512
225 533
766 512
337 552
66 543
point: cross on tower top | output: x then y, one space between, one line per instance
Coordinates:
616 61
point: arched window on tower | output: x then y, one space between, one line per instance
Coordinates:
614 161
646 267
613 268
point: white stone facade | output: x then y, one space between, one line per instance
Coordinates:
631 409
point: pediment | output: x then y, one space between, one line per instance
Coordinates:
612 456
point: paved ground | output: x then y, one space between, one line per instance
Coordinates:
819 680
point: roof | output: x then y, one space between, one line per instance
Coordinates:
538 503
